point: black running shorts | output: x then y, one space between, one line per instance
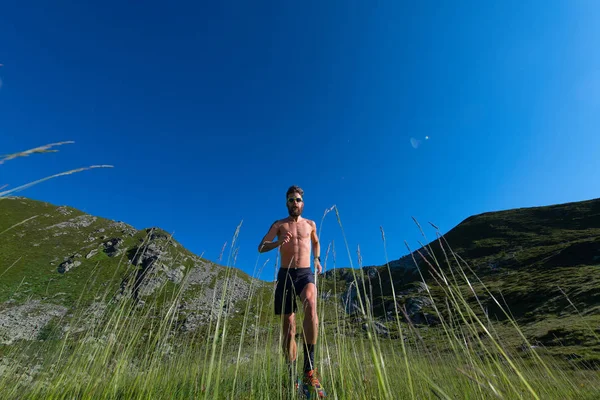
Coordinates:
290 283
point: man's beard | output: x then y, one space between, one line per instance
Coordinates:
294 212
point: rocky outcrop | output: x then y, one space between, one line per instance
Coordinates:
64 210
175 275
124 228
26 321
200 309
68 265
112 247
82 221
415 310
153 262
92 253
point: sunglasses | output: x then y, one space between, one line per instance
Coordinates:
297 199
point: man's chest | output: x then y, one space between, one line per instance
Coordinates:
299 230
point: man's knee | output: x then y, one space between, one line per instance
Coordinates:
310 306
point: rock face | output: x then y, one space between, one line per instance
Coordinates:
82 221
411 305
92 253
64 210
175 275
414 308
26 321
150 261
123 227
112 247
200 309
68 265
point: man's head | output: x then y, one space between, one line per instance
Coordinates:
295 201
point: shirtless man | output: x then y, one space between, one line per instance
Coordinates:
295 236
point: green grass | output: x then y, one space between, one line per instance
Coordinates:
135 352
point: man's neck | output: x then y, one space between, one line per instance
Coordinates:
295 219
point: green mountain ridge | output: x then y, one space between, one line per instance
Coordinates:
55 259
540 264
525 235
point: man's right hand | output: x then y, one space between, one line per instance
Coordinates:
286 239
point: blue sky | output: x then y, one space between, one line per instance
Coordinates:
210 111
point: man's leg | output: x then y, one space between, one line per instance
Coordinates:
310 325
289 337
311 331
289 346
285 305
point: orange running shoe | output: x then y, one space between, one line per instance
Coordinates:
312 386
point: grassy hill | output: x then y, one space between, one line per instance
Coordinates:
537 266
54 260
505 305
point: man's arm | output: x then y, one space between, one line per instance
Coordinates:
316 247
267 243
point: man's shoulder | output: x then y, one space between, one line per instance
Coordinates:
311 222
279 222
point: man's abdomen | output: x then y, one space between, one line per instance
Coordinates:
300 259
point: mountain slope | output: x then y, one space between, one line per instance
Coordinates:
530 253
542 264
54 259
563 234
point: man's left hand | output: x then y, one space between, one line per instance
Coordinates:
318 267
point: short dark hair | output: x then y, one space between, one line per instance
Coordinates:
294 189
